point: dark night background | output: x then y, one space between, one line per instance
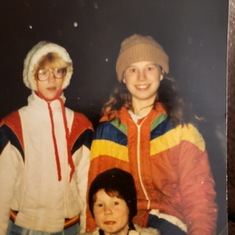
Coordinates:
193 33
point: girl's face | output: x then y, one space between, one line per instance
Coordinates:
50 81
111 214
142 80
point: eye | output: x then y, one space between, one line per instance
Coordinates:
99 205
133 70
151 68
115 203
42 71
62 71
58 71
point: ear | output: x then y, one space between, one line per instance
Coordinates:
124 80
161 76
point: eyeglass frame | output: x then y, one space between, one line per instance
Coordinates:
53 70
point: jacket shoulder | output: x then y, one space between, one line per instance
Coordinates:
81 132
82 120
11 119
12 129
110 128
95 232
145 231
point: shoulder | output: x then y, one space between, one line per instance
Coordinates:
3 140
145 231
11 123
95 232
11 118
189 134
80 117
81 132
11 129
188 131
184 131
111 124
110 129
80 121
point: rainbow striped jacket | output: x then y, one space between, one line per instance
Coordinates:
169 164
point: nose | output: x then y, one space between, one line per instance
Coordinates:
107 210
142 74
51 76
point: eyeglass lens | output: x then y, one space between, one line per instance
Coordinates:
43 74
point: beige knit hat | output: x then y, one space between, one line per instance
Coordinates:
138 48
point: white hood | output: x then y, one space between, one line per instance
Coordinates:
35 54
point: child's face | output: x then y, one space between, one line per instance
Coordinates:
49 87
142 79
111 213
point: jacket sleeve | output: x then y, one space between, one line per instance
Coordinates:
197 185
82 133
82 172
93 171
10 164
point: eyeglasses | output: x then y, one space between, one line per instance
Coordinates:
43 74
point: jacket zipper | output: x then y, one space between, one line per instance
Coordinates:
138 164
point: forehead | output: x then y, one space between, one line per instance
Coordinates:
51 60
142 64
51 64
108 192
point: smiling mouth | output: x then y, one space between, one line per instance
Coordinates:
144 86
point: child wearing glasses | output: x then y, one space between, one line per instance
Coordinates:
45 150
113 204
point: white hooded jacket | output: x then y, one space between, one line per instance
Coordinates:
28 169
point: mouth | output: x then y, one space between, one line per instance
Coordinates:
51 88
109 222
142 86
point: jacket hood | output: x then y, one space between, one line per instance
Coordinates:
35 54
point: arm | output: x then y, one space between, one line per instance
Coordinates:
10 164
90 223
197 185
82 184
81 137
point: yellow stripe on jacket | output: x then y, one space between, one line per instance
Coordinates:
173 137
109 148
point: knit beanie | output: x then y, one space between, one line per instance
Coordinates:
138 48
119 180
35 54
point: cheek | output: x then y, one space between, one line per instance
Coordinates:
97 212
123 212
60 83
156 79
36 84
155 76
128 84
39 86
124 217
98 216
